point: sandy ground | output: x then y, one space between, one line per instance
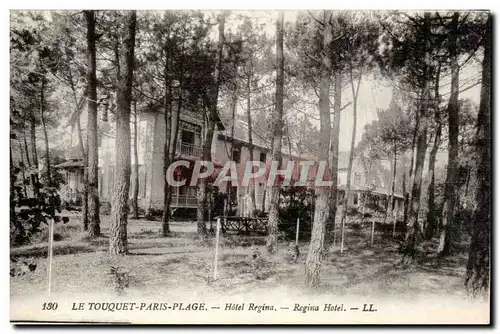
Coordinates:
178 268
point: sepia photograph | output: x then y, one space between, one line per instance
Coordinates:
250 166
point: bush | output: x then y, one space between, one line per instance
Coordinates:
154 214
27 221
296 203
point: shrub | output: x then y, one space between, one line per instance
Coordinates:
27 221
154 214
296 203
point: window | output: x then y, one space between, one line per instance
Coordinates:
236 155
187 137
263 157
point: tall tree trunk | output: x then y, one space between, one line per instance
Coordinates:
431 225
234 102
34 156
118 243
404 197
45 136
28 158
322 194
445 242
251 185
390 202
136 166
331 223
26 147
410 172
477 279
78 109
272 239
209 133
94 228
12 188
83 154
411 239
172 146
345 201
22 167
167 189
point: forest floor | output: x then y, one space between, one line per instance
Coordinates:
180 267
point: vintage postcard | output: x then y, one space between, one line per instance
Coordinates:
250 167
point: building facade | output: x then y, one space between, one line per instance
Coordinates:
370 181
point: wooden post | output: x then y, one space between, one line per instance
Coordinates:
216 259
49 257
297 232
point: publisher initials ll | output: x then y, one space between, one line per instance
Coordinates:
368 309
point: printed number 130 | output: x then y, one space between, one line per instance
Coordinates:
49 306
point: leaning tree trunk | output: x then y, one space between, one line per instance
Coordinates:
118 231
322 194
477 279
136 166
411 239
272 239
209 134
92 150
251 185
445 242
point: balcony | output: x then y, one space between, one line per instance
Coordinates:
190 150
184 201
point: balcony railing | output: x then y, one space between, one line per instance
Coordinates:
190 149
184 201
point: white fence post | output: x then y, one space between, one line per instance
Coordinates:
297 232
216 259
49 257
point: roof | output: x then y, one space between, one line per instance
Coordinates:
240 134
70 163
159 108
259 138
